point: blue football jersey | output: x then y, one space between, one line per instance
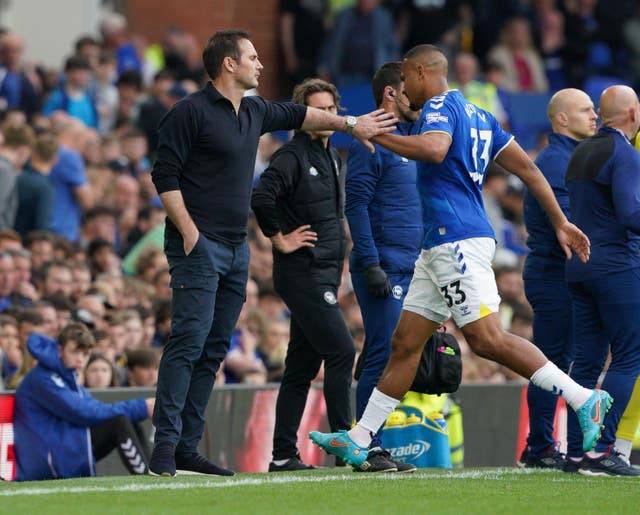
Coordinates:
451 192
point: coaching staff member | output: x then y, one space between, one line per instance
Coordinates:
203 173
299 204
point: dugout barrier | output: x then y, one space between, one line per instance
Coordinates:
240 419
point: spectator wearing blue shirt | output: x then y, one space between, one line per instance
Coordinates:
453 146
385 220
73 194
573 119
604 195
73 96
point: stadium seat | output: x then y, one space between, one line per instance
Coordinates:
356 99
528 117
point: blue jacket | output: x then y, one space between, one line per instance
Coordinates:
547 259
604 191
383 209
53 415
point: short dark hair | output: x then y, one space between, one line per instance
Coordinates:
44 270
97 211
83 41
307 87
420 49
29 315
15 137
389 74
8 320
143 358
10 234
59 302
96 245
223 43
131 78
78 333
76 62
37 236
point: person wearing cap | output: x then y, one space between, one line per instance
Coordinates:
73 95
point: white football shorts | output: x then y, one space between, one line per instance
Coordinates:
454 279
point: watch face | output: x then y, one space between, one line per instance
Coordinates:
351 120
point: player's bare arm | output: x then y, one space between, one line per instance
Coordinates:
515 160
430 147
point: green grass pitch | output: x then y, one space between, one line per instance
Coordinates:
332 491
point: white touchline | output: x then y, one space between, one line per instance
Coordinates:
218 482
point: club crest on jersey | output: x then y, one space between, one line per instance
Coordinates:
471 110
397 291
57 380
329 297
313 171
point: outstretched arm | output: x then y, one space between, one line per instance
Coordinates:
430 147
367 126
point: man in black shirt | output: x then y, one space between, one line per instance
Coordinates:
203 173
299 204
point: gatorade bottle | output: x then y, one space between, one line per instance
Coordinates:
439 452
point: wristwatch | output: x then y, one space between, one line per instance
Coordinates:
350 122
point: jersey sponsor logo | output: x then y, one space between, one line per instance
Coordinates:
329 297
397 292
57 380
436 117
313 171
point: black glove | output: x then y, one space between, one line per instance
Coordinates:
377 281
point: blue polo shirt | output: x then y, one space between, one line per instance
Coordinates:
604 193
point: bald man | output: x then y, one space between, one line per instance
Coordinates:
604 195
573 119
453 145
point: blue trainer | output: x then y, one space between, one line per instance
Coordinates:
591 417
341 445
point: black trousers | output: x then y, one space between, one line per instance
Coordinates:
126 436
318 333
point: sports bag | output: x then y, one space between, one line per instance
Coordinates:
440 367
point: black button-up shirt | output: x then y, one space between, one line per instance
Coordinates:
208 152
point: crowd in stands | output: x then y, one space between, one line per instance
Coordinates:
81 225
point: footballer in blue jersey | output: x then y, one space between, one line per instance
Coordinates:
451 191
453 275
